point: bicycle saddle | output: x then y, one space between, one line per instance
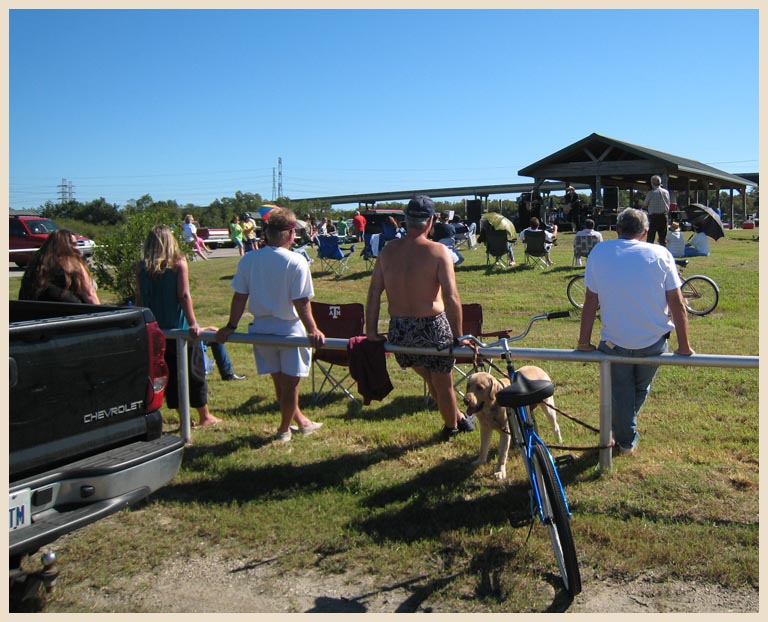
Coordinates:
523 391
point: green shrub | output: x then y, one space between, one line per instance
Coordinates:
120 248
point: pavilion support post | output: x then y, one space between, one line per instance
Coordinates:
731 209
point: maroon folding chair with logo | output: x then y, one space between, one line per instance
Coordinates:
336 321
471 324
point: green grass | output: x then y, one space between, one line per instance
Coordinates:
375 492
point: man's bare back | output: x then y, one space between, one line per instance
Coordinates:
414 270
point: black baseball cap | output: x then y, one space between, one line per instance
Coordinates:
420 207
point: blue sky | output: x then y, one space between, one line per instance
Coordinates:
196 105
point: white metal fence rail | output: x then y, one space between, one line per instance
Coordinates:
603 360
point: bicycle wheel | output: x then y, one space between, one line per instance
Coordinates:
701 294
556 519
577 291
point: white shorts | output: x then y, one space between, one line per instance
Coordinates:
289 361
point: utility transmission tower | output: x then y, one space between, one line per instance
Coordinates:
65 191
279 177
273 183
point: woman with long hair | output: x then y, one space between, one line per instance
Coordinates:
162 284
58 272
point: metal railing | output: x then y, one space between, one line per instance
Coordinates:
603 360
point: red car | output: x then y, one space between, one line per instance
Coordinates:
27 233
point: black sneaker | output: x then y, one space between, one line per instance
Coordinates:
467 424
448 433
233 377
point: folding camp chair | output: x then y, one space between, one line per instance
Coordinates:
333 258
371 249
456 256
337 321
536 248
471 324
498 246
582 246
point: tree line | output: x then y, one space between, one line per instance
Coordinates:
219 212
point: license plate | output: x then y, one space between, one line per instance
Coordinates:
20 509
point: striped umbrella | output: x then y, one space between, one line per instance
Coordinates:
265 209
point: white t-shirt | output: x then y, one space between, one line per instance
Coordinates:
592 233
700 242
273 278
189 231
676 243
631 279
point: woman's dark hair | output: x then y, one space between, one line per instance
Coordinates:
57 270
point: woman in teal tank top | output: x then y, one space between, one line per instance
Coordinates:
162 285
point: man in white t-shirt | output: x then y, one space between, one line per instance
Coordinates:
277 286
636 286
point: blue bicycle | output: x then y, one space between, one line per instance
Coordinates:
548 500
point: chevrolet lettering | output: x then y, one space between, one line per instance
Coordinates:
111 412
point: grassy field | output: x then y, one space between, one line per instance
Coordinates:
374 493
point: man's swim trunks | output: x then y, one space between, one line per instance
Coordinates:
429 332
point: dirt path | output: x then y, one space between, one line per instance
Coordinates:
216 583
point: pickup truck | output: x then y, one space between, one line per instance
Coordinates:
215 236
85 428
26 233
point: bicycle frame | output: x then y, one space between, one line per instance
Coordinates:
523 429
547 490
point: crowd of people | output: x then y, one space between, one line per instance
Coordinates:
416 274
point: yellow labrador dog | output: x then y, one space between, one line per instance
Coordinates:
480 399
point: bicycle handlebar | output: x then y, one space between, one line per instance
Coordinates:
552 315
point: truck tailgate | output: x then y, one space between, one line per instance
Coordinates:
99 357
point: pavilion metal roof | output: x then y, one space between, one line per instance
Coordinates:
619 163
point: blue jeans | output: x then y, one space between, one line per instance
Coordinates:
692 252
220 355
630 385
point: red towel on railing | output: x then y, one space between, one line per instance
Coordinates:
368 365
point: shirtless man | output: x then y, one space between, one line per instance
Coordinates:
424 307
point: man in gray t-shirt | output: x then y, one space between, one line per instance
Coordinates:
657 204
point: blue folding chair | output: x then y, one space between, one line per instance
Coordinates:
333 258
373 244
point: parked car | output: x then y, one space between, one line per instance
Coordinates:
375 218
26 233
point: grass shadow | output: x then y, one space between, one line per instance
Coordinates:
431 509
271 481
391 411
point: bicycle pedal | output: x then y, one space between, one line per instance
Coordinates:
564 461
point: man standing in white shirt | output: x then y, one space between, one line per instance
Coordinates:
637 287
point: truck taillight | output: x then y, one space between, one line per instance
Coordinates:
158 368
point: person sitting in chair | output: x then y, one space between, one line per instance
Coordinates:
548 238
587 231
